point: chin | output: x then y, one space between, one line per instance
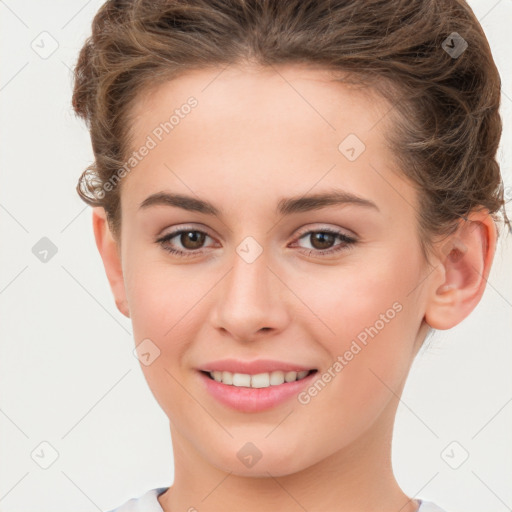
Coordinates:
270 458
271 467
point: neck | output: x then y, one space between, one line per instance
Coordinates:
357 478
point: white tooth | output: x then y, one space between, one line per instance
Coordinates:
290 376
227 378
276 378
261 380
241 379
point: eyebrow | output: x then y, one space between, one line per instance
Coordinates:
285 206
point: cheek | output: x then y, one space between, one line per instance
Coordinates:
368 315
162 303
369 351
161 297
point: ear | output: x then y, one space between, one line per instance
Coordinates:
465 261
110 254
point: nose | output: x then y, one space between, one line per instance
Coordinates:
251 300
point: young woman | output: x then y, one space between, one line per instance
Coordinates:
289 196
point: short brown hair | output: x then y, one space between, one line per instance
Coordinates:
446 118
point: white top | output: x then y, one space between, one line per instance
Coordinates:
148 502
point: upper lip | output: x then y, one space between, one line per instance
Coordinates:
252 367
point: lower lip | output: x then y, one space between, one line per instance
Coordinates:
254 399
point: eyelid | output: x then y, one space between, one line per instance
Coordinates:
328 228
184 227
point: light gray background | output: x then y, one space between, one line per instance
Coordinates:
68 376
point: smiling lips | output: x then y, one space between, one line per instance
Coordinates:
256 385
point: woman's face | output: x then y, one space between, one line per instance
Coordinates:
336 286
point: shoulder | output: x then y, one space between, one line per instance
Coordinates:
428 506
148 502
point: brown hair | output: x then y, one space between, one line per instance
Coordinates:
445 111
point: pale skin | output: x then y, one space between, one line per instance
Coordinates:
252 140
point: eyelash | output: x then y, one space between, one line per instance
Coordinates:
348 242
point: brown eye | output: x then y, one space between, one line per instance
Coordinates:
184 242
192 239
322 240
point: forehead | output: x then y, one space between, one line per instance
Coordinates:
263 98
259 130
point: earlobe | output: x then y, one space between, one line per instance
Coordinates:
110 254
465 260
